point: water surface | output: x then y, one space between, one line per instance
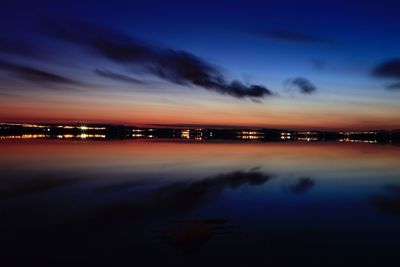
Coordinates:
187 203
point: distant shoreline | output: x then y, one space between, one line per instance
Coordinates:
108 132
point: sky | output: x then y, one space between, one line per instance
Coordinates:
276 64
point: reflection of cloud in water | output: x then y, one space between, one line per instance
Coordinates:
183 196
389 203
119 186
36 184
302 185
192 235
188 235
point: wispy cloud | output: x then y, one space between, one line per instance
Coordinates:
117 76
176 66
393 86
389 69
291 36
302 84
34 74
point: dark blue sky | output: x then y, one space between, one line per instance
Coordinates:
315 63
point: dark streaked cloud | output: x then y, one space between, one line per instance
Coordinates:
388 69
35 75
178 67
117 76
302 84
291 36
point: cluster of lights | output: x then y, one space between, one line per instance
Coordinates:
85 128
29 125
197 134
357 141
250 133
308 139
26 125
67 136
24 136
307 133
85 136
137 133
251 137
285 136
64 136
350 133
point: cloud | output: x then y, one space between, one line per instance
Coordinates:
302 185
301 84
117 77
35 75
290 36
388 69
175 66
394 86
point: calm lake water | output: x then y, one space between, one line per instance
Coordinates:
182 203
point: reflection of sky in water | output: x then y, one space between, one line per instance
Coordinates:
132 198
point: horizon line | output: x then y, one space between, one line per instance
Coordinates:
195 126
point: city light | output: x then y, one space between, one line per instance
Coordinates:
185 134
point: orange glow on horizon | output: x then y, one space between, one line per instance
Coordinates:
328 117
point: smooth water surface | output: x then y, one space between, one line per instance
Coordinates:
184 203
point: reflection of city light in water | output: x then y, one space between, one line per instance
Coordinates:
357 141
308 139
24 136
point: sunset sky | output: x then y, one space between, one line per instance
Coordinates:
292 64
